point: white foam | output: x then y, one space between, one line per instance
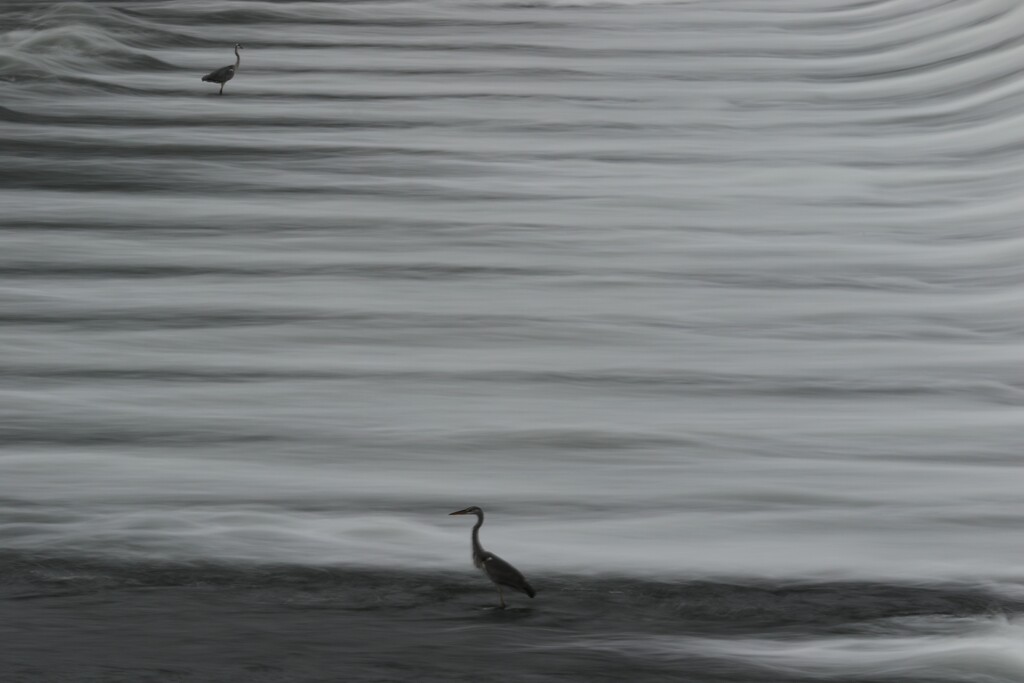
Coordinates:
936 648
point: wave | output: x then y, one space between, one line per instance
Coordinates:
69 50
937 648
637 518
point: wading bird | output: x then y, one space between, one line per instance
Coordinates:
498 570
225 73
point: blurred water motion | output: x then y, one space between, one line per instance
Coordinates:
695 291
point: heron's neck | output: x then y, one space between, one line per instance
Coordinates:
477 548
238 58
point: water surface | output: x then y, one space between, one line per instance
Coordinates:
713 306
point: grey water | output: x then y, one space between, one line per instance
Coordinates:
713 306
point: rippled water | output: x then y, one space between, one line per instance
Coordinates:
715 307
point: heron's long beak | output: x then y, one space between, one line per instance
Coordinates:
457 512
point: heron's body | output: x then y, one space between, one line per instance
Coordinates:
225 73
500 572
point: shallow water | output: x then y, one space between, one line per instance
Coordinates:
131 622
702 301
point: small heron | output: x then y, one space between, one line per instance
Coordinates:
225 73
500 572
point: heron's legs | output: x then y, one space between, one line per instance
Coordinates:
501 596
221 89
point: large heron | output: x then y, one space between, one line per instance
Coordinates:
498 570
225 73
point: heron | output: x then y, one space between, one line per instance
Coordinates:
225 73
500 572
